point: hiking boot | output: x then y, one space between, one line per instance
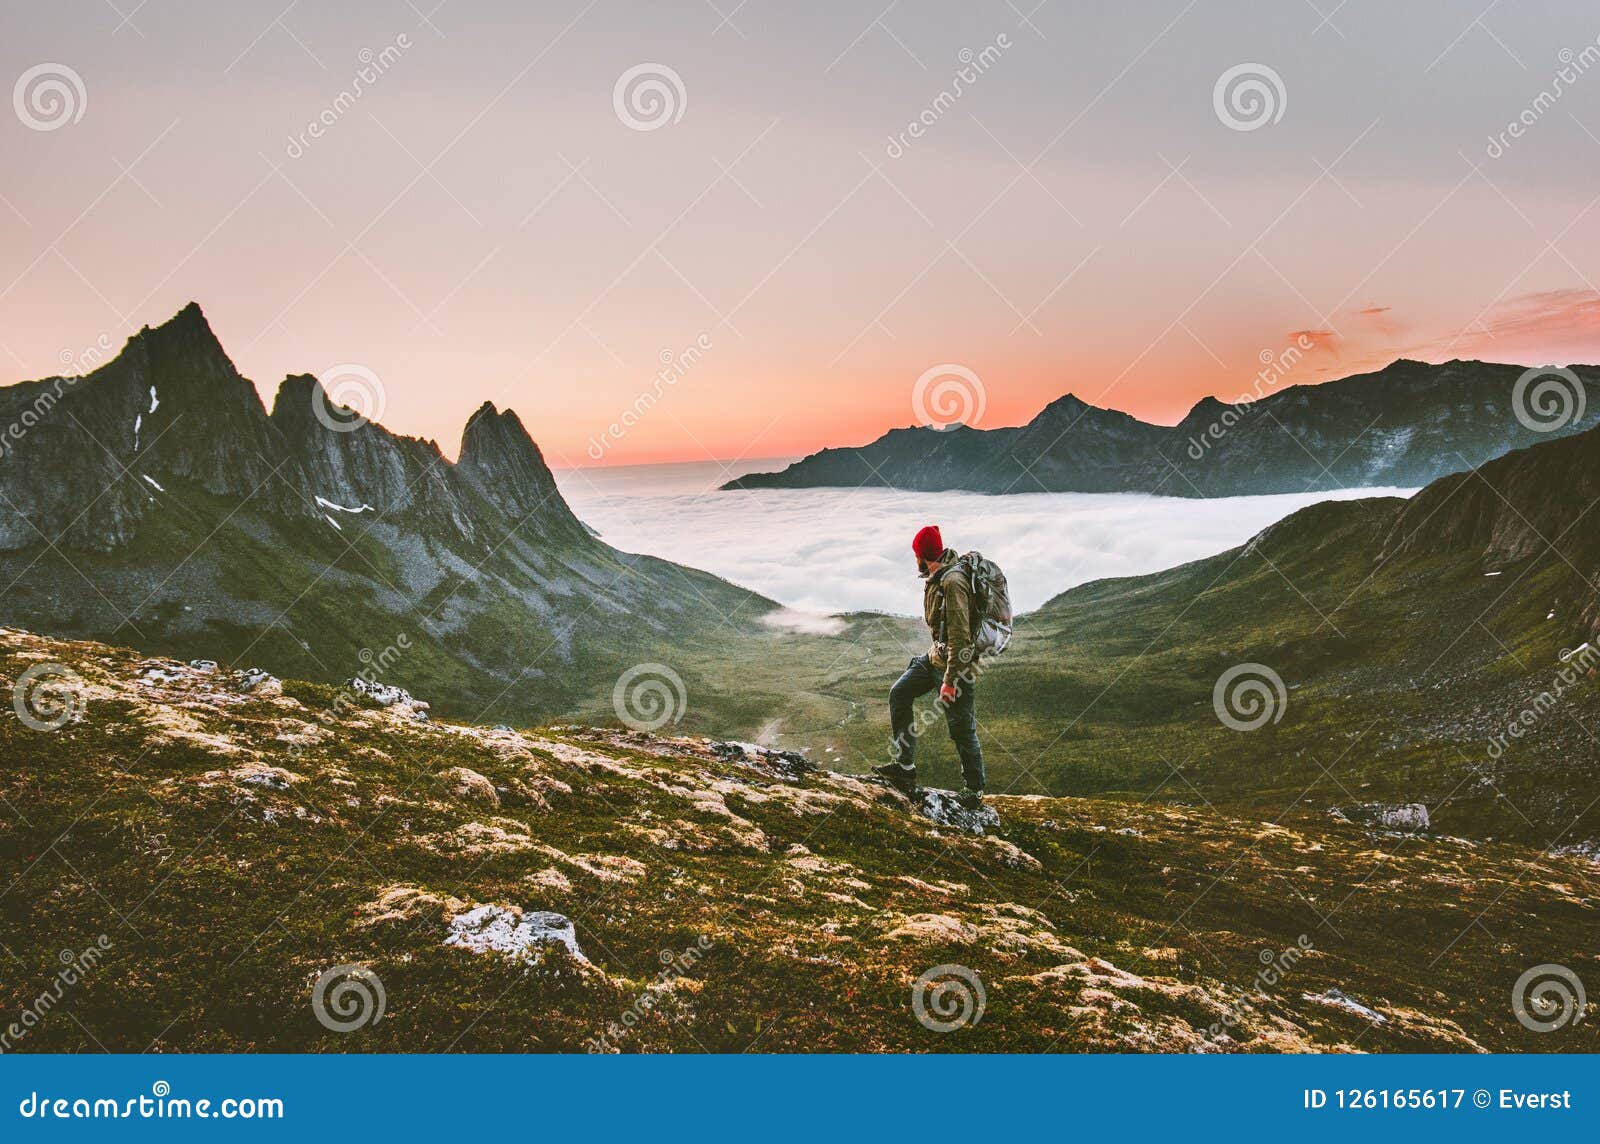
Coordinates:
970 799
901 778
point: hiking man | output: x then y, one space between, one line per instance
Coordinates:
950 665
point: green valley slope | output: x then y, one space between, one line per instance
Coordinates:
1410 636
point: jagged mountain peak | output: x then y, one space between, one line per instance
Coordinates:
491 431
172 407
1069 407
500 460
186 342
1208 404
294 398
190 319
190 315
352 461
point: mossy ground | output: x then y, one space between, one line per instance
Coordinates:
233 847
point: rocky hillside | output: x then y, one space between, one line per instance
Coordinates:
1532 503
155 502
1402 426
237 863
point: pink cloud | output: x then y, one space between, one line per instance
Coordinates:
1551 326
1320 341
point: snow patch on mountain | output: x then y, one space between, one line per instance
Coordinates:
334 506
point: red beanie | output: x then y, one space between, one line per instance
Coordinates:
928 544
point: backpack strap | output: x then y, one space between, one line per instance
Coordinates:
942 630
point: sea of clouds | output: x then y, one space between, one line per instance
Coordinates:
821 551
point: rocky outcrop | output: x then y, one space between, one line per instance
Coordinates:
513 932
1524 504
362 467
1411 817
790 764
388 695
944 808
86 458
500 462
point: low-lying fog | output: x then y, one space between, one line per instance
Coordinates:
838 550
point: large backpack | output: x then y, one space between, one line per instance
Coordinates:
991 603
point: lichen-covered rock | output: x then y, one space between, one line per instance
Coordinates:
935 929
1412 816
943 807
512 931
255 681
469 786
790 764
408 904
481 839
1339 999
940 806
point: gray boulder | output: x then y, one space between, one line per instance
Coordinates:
1411 816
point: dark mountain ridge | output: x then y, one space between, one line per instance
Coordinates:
1402 426
155 501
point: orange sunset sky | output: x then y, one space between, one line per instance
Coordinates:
484 223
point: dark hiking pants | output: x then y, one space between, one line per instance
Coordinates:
960 718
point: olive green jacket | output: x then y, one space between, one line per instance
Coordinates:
947 605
